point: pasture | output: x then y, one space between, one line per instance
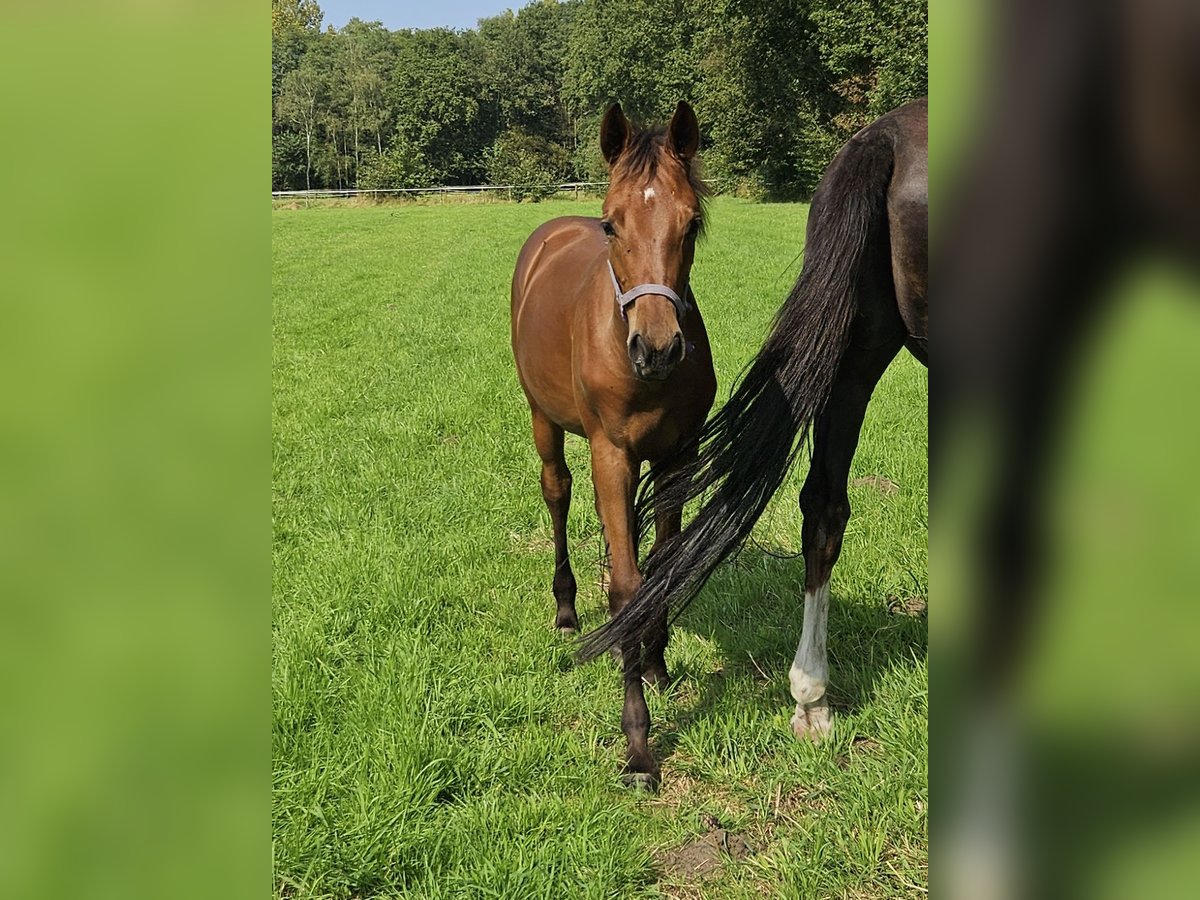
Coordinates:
431 735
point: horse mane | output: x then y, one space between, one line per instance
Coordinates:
647 148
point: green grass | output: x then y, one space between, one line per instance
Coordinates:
431 735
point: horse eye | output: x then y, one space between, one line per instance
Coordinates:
607 226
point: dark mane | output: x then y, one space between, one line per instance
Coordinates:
646 149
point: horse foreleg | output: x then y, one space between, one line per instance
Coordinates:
614 473
826 509
606 558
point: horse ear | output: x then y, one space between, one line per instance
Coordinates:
614 132
684 131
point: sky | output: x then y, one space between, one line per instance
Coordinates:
414 13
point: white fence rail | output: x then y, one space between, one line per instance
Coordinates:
575 186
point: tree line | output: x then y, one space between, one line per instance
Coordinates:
778 86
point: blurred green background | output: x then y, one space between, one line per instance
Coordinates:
1106 707
135 450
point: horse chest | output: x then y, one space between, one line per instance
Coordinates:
648 419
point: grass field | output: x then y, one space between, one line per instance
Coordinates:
431 735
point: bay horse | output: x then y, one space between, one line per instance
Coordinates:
609 344
860 297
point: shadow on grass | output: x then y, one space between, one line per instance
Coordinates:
752 609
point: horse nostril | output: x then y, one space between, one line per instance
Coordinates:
676 351
637 348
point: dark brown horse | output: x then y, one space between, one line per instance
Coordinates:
860 297
609 345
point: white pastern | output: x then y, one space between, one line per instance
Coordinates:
810 668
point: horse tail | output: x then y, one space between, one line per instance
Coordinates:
743 453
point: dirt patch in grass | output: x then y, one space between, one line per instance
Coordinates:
914 607
702 856
885 486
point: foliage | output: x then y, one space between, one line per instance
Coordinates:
523 67
778 86
300 104
287 162
876 51
532 165
295 15
438 103
399 166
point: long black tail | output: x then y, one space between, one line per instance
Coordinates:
740 458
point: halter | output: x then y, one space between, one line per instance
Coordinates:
625 298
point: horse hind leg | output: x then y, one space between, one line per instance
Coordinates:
667 524
825 506
556 491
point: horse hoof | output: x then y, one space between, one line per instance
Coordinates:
814 723
567 630
641 781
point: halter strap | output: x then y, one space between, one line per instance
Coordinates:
624 298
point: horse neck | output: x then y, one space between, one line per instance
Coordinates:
615 326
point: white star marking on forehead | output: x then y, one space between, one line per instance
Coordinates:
648 194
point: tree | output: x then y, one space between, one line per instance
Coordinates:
400 166
531 164
875 51
295 29
363 57
287 161
778 85
295 15
299 101
524 66
437 97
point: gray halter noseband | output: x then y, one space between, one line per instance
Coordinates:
624 298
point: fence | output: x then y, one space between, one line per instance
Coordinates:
574 186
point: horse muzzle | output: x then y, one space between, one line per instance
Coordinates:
655 363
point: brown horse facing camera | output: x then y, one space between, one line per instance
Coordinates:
609 344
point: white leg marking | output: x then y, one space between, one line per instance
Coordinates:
810 668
